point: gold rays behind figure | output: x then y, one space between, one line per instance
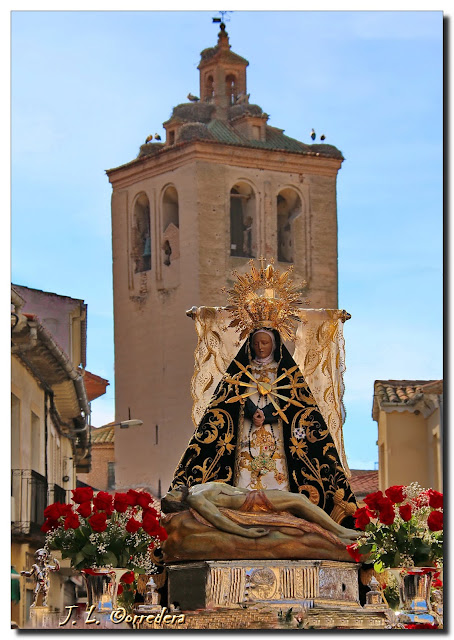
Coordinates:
265 297
267 388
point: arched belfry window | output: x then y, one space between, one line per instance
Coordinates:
170 244
289 207
141 236
231 88
243 223
209 87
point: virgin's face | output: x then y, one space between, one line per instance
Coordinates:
262 345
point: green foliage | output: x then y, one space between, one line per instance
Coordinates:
391 594
127 597
113 547
401 542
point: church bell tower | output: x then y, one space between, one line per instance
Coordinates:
224 187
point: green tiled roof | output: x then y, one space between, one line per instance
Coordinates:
275 139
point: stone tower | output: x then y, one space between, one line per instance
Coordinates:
223 187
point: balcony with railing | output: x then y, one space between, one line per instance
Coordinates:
28 501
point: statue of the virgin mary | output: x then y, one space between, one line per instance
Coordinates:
263 428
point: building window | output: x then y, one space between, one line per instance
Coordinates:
243 227
111 475
15 432
256 132
231 88
209 88
141 235
35 441
288 208
170 244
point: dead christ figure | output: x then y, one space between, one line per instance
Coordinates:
274 505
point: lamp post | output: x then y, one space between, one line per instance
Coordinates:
125 424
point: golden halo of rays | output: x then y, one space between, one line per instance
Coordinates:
264 297
269 389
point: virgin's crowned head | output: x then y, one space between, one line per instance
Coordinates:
262 343
265 345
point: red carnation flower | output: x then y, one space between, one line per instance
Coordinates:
98 522
395 493
143 499
84 509
134 496
121 502
49 525
386 511
421 625
362 518
437 583
405 512
150 512
128 578
53 511
353 551
72 521
387 516
92 572
133 525
103 502
372 500
150 524
66 509
435 521
82 494
435 499
162 534
385 504
120 590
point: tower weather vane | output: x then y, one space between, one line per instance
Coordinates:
223 19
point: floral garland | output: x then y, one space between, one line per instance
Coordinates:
105 531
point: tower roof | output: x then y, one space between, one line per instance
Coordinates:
222 51
223 113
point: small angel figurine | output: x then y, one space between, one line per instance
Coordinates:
41 571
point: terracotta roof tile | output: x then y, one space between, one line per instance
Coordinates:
103 435
364 481
95 386
404 391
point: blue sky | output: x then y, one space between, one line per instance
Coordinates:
89 86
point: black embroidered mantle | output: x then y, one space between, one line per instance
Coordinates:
313 463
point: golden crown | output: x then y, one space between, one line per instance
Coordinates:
265 297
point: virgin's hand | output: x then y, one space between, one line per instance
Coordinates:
258 418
